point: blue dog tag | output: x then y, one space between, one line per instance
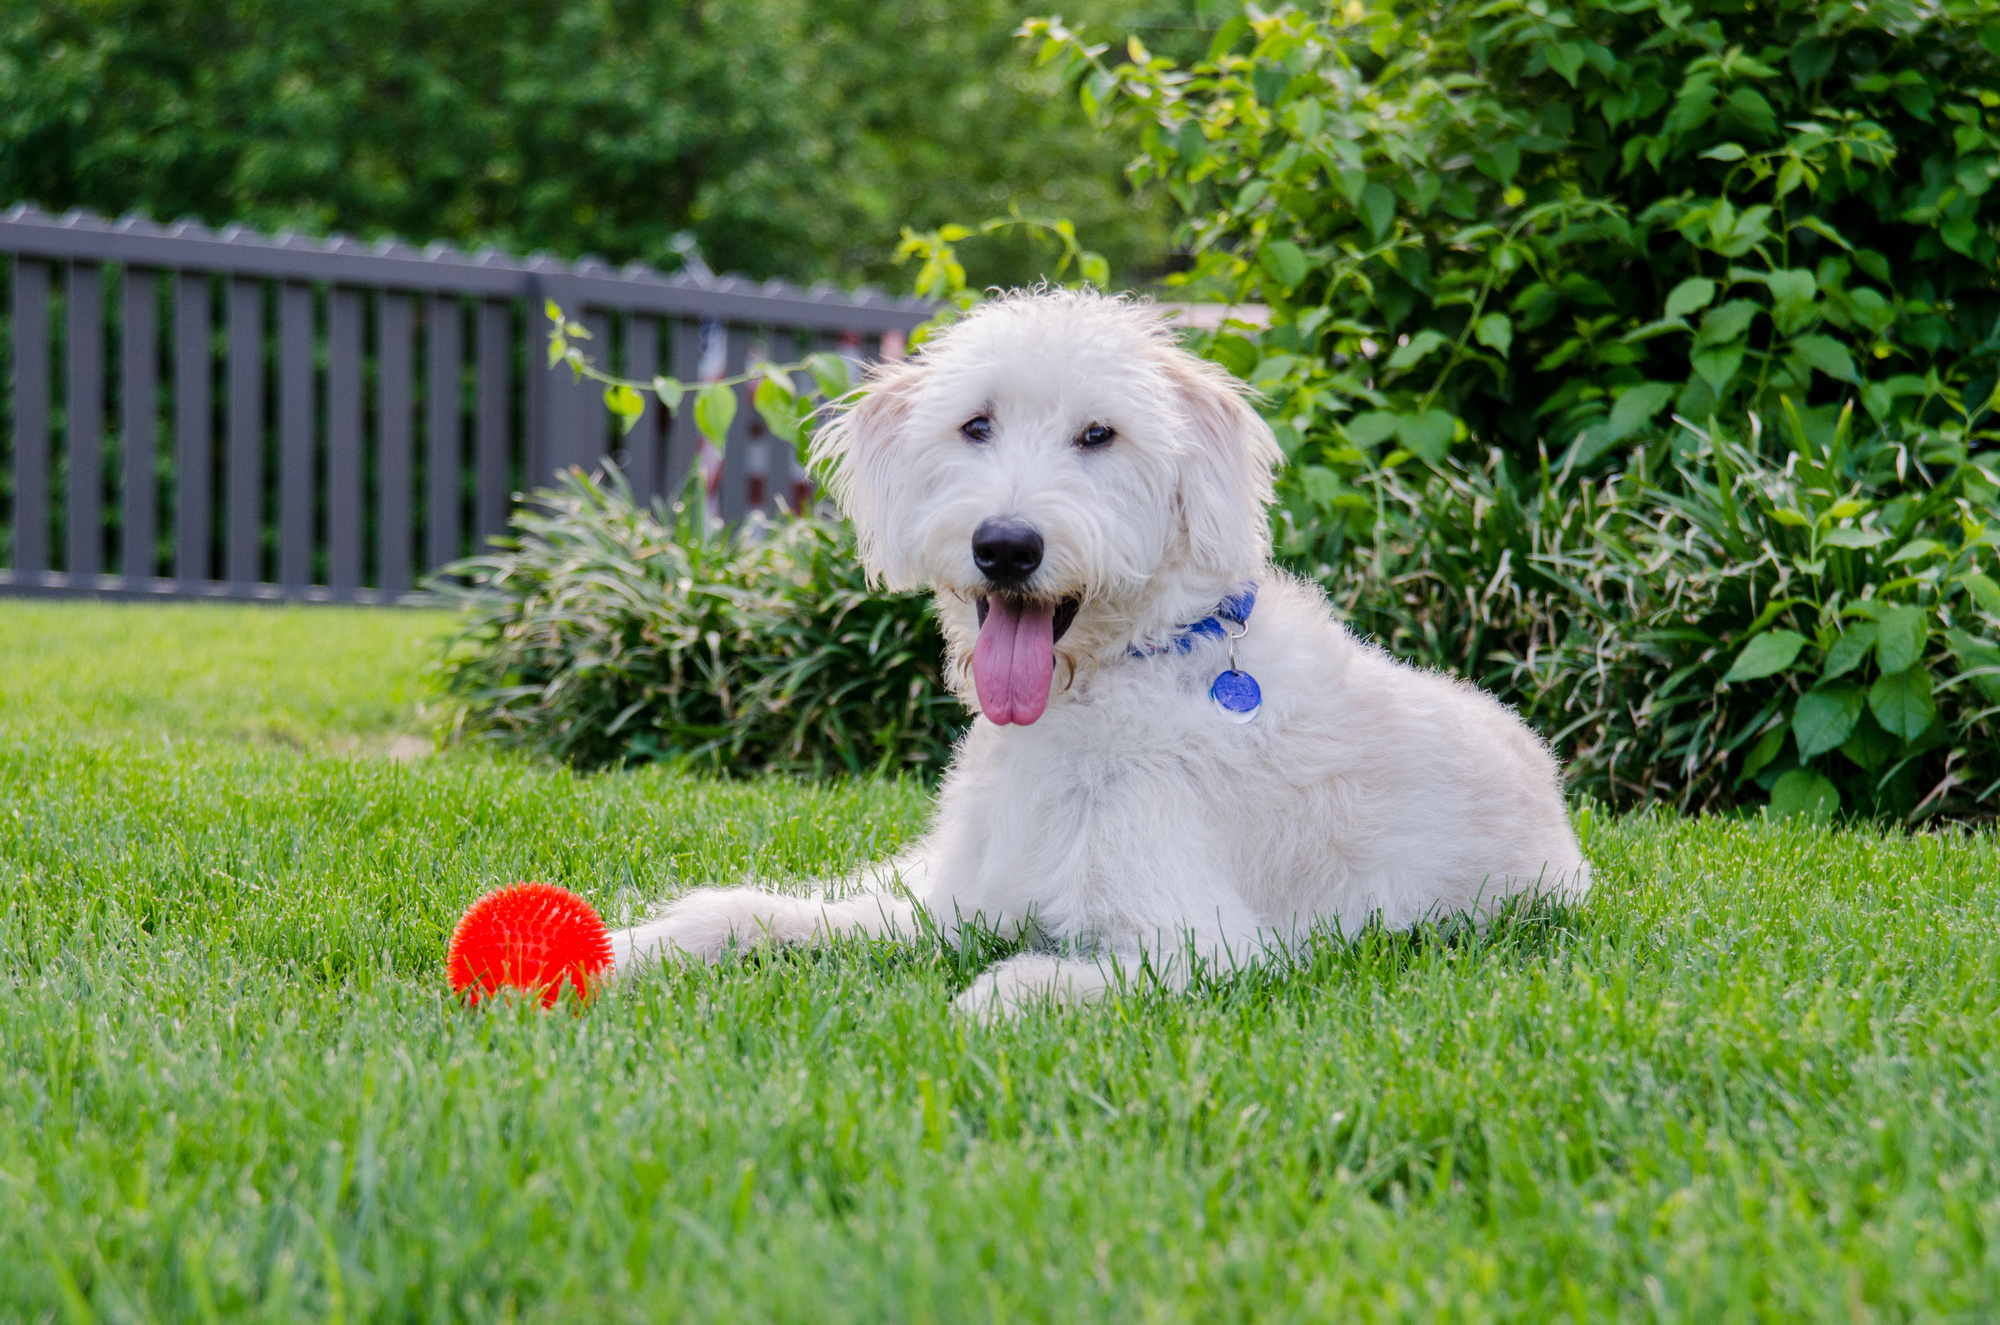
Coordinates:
1236 696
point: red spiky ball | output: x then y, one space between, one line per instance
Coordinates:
532 936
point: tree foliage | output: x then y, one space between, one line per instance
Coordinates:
787 137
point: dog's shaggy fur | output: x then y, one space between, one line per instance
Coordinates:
1132 824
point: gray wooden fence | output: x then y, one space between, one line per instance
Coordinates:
221 414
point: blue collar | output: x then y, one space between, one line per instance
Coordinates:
1235 608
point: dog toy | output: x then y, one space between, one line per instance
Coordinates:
532 936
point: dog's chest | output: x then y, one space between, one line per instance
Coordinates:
1119 785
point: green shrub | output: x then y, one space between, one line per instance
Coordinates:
1538 225
605 632
1746 621
1634 358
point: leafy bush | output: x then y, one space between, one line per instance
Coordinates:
1633 358
1748 622
604 632
1533 225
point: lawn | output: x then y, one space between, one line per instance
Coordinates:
1754 1078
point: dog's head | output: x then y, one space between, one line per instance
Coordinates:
1056 468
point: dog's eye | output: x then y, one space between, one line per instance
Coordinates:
977 429
1094 436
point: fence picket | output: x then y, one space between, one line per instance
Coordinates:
493 422
194 431
295 436
442 423
83 415
344 459
138 422
733 497
395 348
642 444
683 438
31 420
243 479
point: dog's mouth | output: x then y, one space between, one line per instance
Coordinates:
1014 659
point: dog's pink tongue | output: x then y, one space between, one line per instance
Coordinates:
1015 659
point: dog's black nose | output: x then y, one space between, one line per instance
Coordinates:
1006 551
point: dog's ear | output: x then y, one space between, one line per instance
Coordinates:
1225 482
855 453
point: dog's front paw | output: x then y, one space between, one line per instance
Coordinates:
1027 981
701 926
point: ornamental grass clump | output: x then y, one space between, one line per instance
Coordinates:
607 632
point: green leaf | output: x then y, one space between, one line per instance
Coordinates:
1984 592
1901 702
1804 793
1850 649
1854 538
1429 434
1692 293
1870 746
1762 753
829 370
1637 406
1825 717
1371 428
1772 651
1725 152
1094 268
1566 58
778 405
1903 631
1976 654
1727 323
626 403
1378 209
714 411
1823 230
1496 331
1421 344
1285 261
1914 550
670 391
1826 354
1717 364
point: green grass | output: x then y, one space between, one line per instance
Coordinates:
1755 1078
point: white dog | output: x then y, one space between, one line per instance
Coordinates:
1182 756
